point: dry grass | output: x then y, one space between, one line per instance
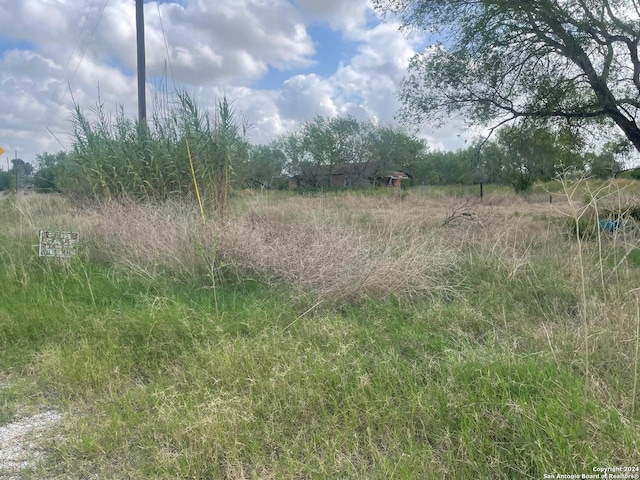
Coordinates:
339 248
336 256
494 362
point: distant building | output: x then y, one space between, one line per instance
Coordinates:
363 174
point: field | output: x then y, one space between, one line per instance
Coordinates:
372 335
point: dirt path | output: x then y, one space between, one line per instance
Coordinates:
19 442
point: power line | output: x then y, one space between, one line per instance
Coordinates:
86 47
166 46
73 50
84 52
50 112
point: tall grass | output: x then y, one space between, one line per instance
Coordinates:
120 158
348 337
335 254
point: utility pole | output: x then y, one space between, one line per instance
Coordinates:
142 100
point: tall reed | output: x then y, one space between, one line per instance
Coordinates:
119 157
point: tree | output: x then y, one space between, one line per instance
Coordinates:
391 148
22 172
500 60
528 153
50 171
320 145
443 168
22 167
263 167
324 143
608 162
5 181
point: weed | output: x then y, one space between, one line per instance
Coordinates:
343 335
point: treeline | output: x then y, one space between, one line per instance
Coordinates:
521 155
186 151
20 174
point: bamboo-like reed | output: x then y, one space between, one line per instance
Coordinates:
119 157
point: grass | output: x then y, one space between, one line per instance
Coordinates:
335 336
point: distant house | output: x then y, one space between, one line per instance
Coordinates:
349 175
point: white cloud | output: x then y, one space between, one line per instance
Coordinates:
303 96
374 73
228 39
340 14
52 50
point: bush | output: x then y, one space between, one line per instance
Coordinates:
522 183
6 180
44 180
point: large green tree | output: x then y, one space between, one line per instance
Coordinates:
500 60
263 167
5 180
22 172
22 167
391 148
444 168
609 161
50 171
322 143
522 154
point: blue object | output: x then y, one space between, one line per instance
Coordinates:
610 225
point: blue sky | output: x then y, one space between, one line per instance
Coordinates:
331 50
281 62
11 44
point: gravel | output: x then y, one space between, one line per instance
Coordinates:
19 440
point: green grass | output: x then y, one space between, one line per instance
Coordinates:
160 378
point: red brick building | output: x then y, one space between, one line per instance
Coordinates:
349 175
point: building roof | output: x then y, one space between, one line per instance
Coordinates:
361 169
399 175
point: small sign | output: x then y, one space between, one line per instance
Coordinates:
58 244
1 151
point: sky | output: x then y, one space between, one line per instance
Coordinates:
280 62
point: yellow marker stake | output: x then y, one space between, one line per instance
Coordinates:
195 183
